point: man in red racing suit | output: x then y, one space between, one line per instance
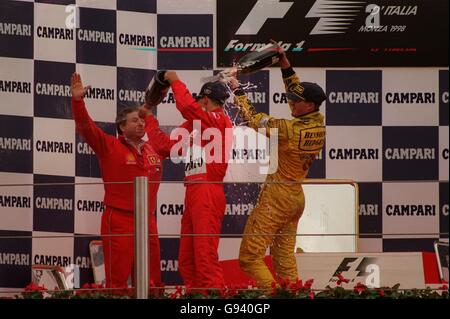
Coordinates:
204 202
121 160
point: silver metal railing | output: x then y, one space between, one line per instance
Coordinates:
141 273
141 234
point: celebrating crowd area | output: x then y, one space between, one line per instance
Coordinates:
279 207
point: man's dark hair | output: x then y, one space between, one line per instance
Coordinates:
122 116
216 91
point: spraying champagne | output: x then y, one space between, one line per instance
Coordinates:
266 56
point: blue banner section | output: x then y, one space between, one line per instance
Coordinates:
318 167
66 2
354 98
410 153
241 199
131 85
15 258
16 144
96 37
370 210
411 244
169 261
16 29
53 204
52 96
146 6
185 42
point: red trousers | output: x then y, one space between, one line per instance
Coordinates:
118 251
198 257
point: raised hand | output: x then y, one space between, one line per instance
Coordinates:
171 76
233 83
144 110
284 62
77 88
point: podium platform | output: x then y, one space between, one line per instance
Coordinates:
409 269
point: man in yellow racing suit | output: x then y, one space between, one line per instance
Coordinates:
273 221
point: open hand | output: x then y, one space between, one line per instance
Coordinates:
144 111
284 62
77 88
171 76
233 83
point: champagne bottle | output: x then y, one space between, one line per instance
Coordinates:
259 59
264 57
154 92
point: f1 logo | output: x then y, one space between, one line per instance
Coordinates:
263 10
366 267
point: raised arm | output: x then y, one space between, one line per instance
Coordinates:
186 104
93 135
290 79
254 119
160 141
